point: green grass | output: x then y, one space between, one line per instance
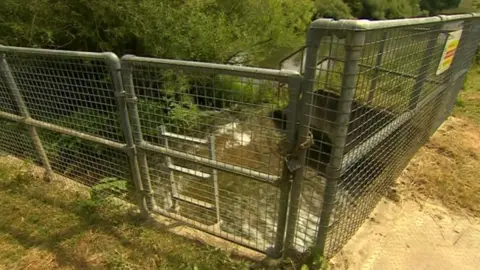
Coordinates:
446 168
50 226
468 101
465 6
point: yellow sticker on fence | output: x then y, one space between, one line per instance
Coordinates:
449 51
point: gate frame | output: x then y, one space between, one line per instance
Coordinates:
355 30
283 182
298 124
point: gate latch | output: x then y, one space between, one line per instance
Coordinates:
291 159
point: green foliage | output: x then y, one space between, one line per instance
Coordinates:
169 113
380 9
110 186
459 102
356 7
85 120
100 194
249 91
203 30
315 261
435 6
336 9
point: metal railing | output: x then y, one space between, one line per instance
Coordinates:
381 98
275 160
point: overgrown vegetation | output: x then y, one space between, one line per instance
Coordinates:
81 231
224 31
446 168
50 226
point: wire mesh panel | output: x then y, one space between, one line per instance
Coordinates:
71 97
72 92
264 158
16 141
378 91
233 120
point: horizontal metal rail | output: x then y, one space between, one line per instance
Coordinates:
184 138
191 172
62 130
263 177
62 53
365 25
250 72
398 73
212 229
386 70
190 200
363 149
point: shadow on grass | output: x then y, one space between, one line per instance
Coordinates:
84 234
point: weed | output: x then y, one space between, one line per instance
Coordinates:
50 226
315 260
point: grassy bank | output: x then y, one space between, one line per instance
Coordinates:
468 102
52 226
446 168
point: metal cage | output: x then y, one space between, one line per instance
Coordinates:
279 161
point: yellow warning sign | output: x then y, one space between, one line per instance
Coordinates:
449 51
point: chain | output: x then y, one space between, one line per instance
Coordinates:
293 163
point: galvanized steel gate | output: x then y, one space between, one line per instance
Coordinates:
232 155
275 160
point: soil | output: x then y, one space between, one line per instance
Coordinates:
413 235
423 229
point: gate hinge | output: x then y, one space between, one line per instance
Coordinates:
291 159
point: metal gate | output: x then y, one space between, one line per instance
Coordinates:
219 167
274 160
375 91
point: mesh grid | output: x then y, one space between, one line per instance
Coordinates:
68 90
72 92
246 116
237 110
397 94
15 140
86 162
376 98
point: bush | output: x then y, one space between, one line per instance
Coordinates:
336 9
201 30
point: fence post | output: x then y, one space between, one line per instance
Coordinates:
285 181
424 67
378 63
131 99
12 85
303 120
131 150
353 49
462 63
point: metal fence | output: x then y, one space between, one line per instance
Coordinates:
387 87
275 160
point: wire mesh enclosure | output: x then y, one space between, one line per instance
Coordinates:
376 91
212 141
275 160
63 110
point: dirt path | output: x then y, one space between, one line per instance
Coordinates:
418 232
411 235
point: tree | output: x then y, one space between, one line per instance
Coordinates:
202 30
395 9
435 6
356 7
336 9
